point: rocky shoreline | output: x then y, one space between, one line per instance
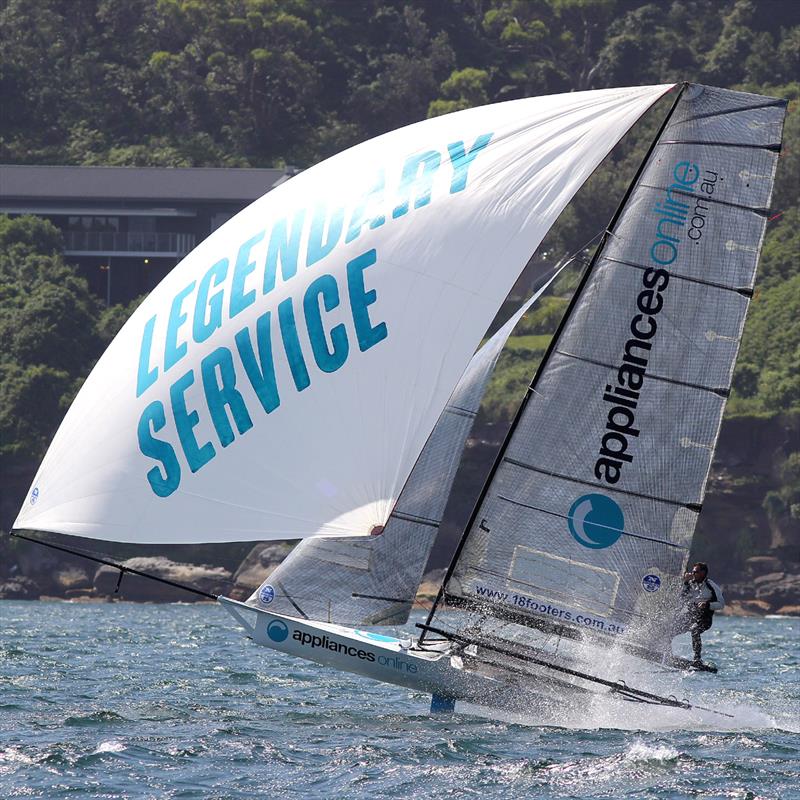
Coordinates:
768 586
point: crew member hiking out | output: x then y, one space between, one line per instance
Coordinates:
700 597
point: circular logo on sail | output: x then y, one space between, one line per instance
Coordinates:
651 583
596 521
34 495
266 594
277 631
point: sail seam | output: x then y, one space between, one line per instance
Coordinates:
566 516
774 148
692 506
378 597
461 412
743 290
760 211
720 392
414 518
711 114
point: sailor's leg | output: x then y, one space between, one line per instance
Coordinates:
697 644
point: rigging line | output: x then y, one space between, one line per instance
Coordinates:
720 392
121 567
594 524
696 507
615 686
291 600
546 358
742 290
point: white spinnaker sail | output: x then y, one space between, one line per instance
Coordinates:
282 380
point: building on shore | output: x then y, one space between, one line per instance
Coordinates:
126 227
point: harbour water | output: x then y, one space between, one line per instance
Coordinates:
169 701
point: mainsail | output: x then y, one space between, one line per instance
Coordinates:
586 523
282 380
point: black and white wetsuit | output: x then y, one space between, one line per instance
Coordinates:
704 592
693 618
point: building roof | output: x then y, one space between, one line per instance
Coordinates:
164 184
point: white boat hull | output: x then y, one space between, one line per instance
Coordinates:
390 660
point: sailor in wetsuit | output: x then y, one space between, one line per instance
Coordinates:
701 598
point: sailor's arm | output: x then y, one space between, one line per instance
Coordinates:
718 601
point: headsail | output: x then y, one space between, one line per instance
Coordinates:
357 580
587 521
283 379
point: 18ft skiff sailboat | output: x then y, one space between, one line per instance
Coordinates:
307 373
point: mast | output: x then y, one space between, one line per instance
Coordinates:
545 359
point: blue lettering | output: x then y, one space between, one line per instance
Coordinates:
185 421
291 344
222 392
374 197
146 377
327 360
174 352
166 482
360 300
663 252
261 372
283 244
202 328
317 249
244 266
461 161
429 161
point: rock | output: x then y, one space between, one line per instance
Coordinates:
427 592
79 594
70 579
19 588
214 580
258 564
738 591
781 590
770 577
747 608
789 611
761 565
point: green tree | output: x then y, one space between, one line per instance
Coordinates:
47 335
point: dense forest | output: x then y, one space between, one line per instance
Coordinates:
290 82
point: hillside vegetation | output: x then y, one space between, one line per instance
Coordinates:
277 82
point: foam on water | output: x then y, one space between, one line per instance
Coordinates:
112 746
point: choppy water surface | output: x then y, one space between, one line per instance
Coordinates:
131 701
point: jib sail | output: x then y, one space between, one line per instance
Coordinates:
373 580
